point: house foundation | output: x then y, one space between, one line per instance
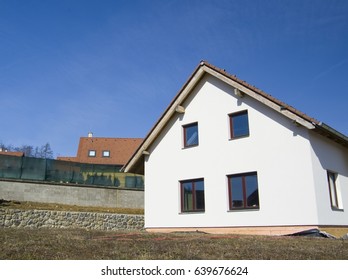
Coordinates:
271 231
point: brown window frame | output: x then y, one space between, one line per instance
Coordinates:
231 116
185 127
244 190
182 195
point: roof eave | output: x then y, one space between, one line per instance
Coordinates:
168 113
332 134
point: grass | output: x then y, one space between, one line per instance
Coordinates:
81 244
62 207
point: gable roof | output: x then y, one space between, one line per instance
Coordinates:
121 149
242 88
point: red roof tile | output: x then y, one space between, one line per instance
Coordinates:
107 150
17 154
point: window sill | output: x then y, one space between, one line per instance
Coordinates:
243 209
239 137
188 147
337 209
192 212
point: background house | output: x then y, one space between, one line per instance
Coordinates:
92 178
227 157
102 150
10 153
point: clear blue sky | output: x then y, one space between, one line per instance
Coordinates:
68 67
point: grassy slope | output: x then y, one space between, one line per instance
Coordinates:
62 207
47 243
22 243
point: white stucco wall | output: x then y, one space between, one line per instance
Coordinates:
278 150
327 155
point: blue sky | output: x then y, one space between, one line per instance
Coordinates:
68 67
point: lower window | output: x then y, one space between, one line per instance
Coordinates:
243 191
192 195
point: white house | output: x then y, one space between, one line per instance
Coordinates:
227 157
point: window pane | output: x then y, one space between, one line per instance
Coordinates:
91 153
192 195
244 191
106 153
237 192
187 196
199 188
252 193
332 187
191 135
240 125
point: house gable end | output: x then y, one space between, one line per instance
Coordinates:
242 90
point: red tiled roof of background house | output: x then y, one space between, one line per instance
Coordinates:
16 154
100 150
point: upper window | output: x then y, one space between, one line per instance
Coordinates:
190 135
243 191
239 124
92 153
106 153
332 178
192 195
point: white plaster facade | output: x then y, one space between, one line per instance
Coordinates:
291 162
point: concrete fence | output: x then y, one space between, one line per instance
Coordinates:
71 194
62 219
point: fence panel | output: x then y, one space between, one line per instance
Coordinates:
33 168
10 167
37 169
59 171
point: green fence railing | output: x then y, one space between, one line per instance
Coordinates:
50 170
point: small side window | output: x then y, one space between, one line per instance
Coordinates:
332 178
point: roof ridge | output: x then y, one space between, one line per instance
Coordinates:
130 138
262 93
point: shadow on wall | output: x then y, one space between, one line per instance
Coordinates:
332 156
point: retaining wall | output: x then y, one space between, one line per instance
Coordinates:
70 194
63 219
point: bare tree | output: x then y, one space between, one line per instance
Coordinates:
28 150
44 151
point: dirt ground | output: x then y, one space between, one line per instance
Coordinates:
81 244
62 207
